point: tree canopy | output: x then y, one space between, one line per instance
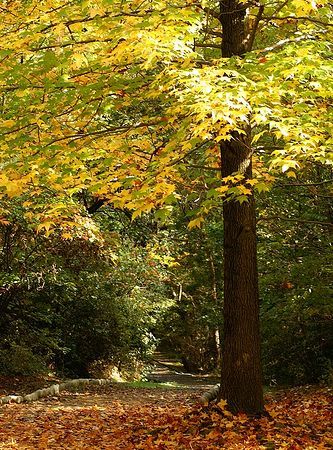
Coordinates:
121 99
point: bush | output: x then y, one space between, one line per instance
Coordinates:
19 360
297 339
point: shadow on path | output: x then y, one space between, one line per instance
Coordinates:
164 369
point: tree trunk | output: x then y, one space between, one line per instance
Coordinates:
241 380
215 298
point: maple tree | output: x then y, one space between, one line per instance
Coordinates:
120 99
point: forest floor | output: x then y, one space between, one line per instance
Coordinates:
120 416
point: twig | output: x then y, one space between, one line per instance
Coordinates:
307 184
284 42
310 19
207 45
287 219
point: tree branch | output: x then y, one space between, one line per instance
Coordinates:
197 166
310 19
307 184
215 33
70 43
96 205
207 45
287 219
210 11
284 42
124 128
248 44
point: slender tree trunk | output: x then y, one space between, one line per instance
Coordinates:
241 380
215 298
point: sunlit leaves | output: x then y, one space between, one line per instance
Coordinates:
111 97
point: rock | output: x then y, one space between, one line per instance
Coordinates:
63 386
210 395
55 389
5 400
31 397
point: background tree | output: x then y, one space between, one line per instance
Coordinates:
57 295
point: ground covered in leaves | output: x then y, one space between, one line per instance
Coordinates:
120 417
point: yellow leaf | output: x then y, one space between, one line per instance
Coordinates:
137 213
222 404
13 189
45 225
196 223
66 236
8 123
220 137
252 182
222 189
244 190
78 60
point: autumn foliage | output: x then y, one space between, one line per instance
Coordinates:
130 418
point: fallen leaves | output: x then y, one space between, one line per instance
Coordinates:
119 417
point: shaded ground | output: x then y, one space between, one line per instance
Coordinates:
119 417
165 369
162 369
122 417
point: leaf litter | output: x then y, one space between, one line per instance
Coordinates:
121 417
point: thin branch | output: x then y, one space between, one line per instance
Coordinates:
207 45
287 219
67 44
197 166
278 9
217 14
123 128
75 21
307 184
182 158
252 34
4 133
215 33
36 86
209 11
284 42
310 19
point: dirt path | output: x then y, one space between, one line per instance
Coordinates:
169 370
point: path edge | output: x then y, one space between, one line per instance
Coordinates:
54 390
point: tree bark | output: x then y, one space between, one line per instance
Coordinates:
241 380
